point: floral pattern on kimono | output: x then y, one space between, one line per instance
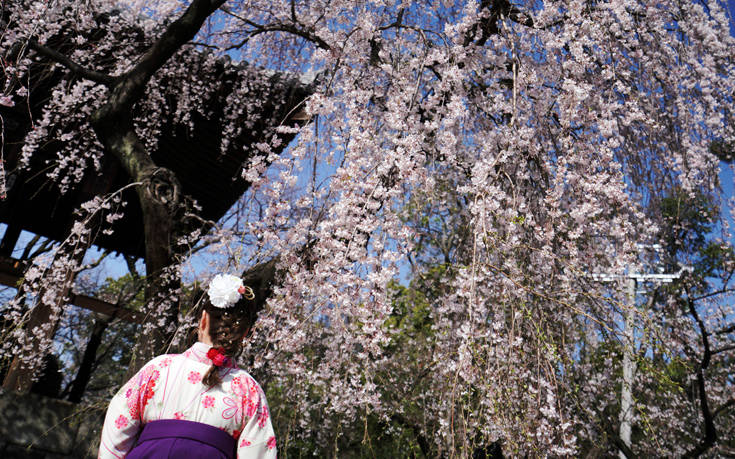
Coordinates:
171 387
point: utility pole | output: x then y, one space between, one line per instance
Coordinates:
633 278
629 367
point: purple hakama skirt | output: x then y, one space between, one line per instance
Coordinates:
172 438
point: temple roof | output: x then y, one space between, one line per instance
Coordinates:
212 178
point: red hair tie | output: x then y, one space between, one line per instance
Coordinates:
217 356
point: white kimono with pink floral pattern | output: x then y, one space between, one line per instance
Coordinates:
170 387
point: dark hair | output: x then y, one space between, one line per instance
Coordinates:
226 329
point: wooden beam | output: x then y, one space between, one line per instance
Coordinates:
10 238
108 309
11 273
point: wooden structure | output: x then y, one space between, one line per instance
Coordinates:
11 273
212 179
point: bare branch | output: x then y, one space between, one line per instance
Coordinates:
276 27
710 431
203 45
715 293
97 262
726 330
723 349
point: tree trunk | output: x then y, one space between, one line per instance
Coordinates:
84 374
158 189
159 194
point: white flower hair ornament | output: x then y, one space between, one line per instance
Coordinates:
225 290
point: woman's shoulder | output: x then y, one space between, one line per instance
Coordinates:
238 374
153 367
164 360
160 362
240 381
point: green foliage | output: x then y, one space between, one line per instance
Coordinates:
690 222
411 313
713 258
126 289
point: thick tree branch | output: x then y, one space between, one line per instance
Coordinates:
132 84
97 77
724 407
614 437
291 28
704 364
723 349
620 445
398 23
710 432
113 121
726 330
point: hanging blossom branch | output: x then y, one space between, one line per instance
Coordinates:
51 281
97 77
3 184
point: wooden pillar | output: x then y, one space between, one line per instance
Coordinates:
10 238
